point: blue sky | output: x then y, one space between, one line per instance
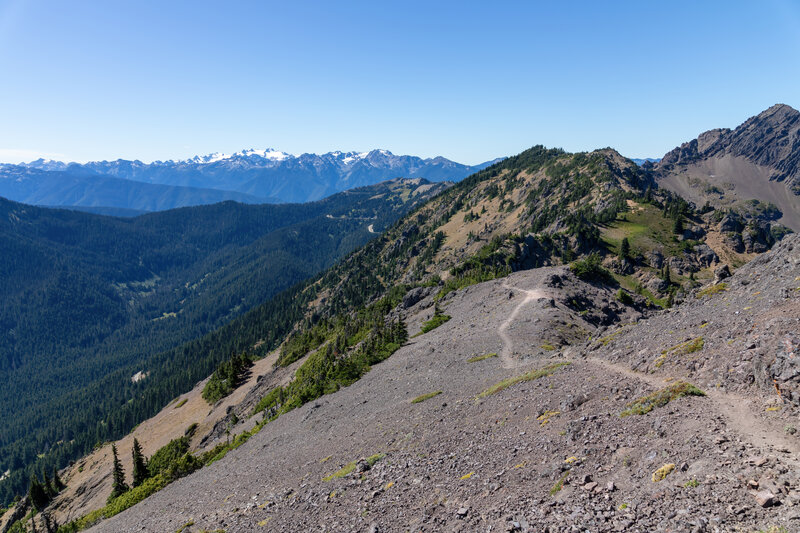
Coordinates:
470 81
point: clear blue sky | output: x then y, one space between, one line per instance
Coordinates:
471 81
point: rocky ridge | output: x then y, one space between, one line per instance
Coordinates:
550 454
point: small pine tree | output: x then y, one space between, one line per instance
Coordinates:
677 225
139 464
119 487
48 486
37 494
624 249
666 274
57 483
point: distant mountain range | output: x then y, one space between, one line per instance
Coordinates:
249 176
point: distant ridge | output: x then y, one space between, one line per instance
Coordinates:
264 175
758 160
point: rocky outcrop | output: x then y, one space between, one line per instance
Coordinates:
770 139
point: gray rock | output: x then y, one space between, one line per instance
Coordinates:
721 272
765 498
705 255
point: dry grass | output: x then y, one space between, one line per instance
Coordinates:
422 398
481 357
528 376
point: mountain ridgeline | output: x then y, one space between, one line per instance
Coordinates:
754 168
90 300
250 176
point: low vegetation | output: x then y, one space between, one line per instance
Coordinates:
712 290
663 472
422 398
661 398
559 484
478 358
528 376
342 472
684 348
590 269
434 322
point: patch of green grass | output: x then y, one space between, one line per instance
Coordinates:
481 357
692 483
422 398
645 227
684 348
528 376
372 459
608 338
661 398
434 323
181 403
559 484
190 523
712 290
345 470
547 347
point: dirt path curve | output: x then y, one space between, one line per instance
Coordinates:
508 345
737 411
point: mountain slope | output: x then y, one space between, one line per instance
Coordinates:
631 248
549 452
760 159
538 208
273 174
61 188
90 300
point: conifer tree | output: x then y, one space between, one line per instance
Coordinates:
48 487
57 483
37 494
624 248
119 487
139 464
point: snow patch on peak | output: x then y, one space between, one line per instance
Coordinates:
268 153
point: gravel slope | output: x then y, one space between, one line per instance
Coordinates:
457 463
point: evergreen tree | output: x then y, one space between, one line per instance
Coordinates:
624 249
677 226
119 487
57 483
37 494
48 487
139 464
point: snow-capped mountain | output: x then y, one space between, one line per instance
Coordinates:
273 174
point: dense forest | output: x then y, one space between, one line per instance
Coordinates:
89 301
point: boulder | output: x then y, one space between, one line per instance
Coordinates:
705 255
721 272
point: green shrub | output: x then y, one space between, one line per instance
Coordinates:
168 455
624 297
590 269
661 398
434 322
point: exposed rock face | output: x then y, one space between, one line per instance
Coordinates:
705 255
770 139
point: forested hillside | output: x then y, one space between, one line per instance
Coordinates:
91 300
